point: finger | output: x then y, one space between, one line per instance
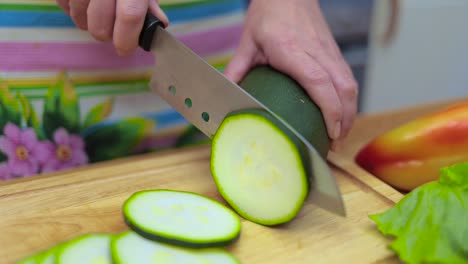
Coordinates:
130 16
316 81
336 145
101 17
64 5
242 60
346 88
348 92
157 11
332 60
78 13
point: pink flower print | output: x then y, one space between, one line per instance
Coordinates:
24 151
67 152
5 171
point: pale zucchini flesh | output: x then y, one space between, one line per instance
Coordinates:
44 257
131 248
49 257
181 218
258 168
86 249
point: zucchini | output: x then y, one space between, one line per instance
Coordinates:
30 259
181 218
48 257
131 248
89 248
287 99
258 168
257 163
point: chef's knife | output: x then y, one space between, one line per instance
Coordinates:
204 96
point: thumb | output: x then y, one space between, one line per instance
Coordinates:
158 12
241 61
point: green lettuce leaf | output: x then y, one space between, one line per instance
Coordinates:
30 116
430 224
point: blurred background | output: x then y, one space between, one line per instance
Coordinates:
403 52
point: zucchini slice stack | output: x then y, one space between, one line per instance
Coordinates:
165 226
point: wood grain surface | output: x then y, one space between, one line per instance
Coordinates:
38 212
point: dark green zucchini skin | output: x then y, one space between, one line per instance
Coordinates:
287 99
177 242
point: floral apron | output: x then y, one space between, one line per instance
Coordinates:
67 100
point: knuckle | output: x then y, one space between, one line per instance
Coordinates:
349 87
286 43
79 6
317 76
132 13
101 33
335 113
78 20
123 48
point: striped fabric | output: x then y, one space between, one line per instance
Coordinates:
39 42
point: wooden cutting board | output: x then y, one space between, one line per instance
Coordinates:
38 212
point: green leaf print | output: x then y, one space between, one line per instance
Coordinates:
3 157
61 108
99 112
116 140
192 137
9 107
30 116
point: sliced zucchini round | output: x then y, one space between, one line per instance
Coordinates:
257 167
89 248
49 256
30 259
44 257
181 218
131 248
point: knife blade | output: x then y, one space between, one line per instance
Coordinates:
204 96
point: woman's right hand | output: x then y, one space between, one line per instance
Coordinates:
118 21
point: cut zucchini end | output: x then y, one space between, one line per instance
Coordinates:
132 248
181 218
258 168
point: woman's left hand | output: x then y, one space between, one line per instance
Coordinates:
293 37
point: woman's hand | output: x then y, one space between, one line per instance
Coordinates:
118 21
293 37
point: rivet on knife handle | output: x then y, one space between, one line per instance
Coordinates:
148 31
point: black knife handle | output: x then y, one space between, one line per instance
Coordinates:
149 28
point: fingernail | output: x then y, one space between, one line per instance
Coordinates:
337 131
336 146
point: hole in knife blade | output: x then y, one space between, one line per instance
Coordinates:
188 102
205 116
172 89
